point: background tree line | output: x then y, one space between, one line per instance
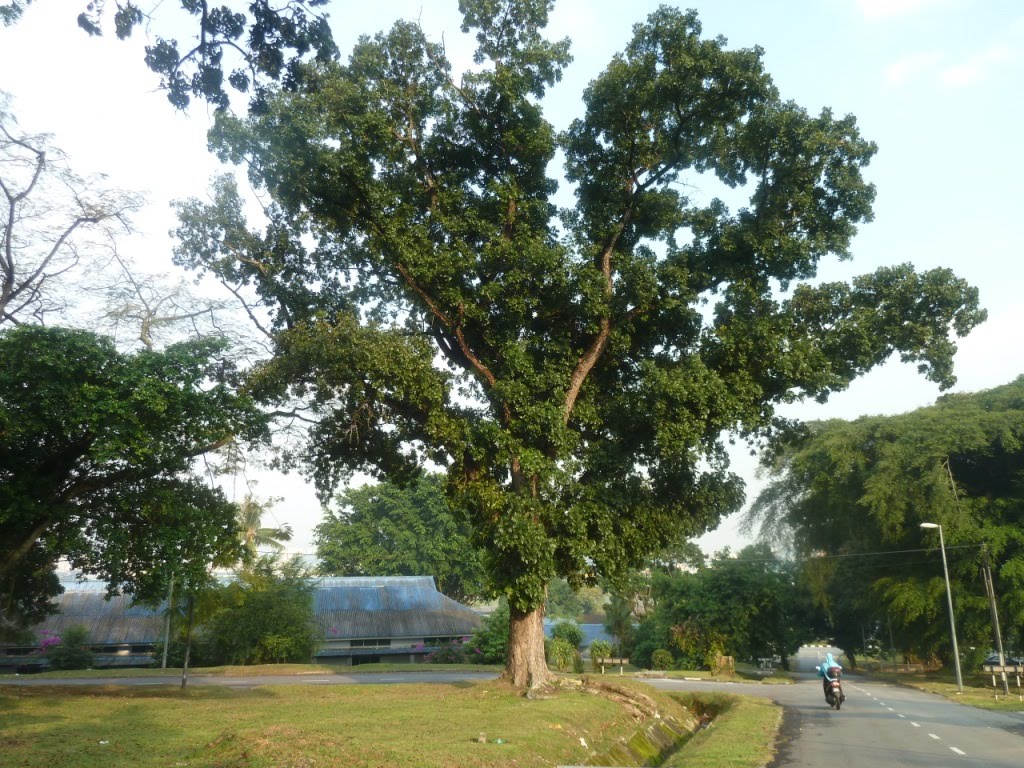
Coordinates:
850 498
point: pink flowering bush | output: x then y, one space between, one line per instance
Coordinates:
451 653
49 640
67 652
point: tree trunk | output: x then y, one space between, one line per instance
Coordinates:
527 667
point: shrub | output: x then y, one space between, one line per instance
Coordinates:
266 616
569 631
649 638
69 651
453 652
661 659
278 649
564 656
492 637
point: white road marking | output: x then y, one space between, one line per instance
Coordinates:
934 737
890 709
903 716
959 751
916 725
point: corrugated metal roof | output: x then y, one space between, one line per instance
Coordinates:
109 622
344 607
391 606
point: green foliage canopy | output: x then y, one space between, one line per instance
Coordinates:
592 356
749 606
96 460
860 490
388 530
264 617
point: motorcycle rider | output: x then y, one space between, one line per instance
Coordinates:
829 671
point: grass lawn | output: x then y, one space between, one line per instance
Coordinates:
408 726
418 725
978 690
742 734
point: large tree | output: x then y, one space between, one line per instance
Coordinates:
388 530
97 452
573 369
853 494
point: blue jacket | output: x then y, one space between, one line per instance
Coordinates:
824 668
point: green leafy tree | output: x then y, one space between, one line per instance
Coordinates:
662 659
96 457
564 656
389 530
855 493
264 617
749 606
574 370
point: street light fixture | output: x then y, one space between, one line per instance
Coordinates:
949 598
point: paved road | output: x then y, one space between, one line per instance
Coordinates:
882 726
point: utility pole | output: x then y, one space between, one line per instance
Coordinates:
949 599
990 592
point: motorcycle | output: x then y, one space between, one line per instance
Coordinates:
834 687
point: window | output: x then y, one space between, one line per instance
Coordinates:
378 642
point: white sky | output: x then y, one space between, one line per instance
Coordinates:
935 83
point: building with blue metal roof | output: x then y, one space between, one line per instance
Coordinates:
361 619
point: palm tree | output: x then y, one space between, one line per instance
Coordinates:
251 531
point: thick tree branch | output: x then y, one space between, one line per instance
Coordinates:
23 547
455 326
600 342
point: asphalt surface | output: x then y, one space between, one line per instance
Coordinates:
879 725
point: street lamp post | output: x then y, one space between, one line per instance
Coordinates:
949 599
